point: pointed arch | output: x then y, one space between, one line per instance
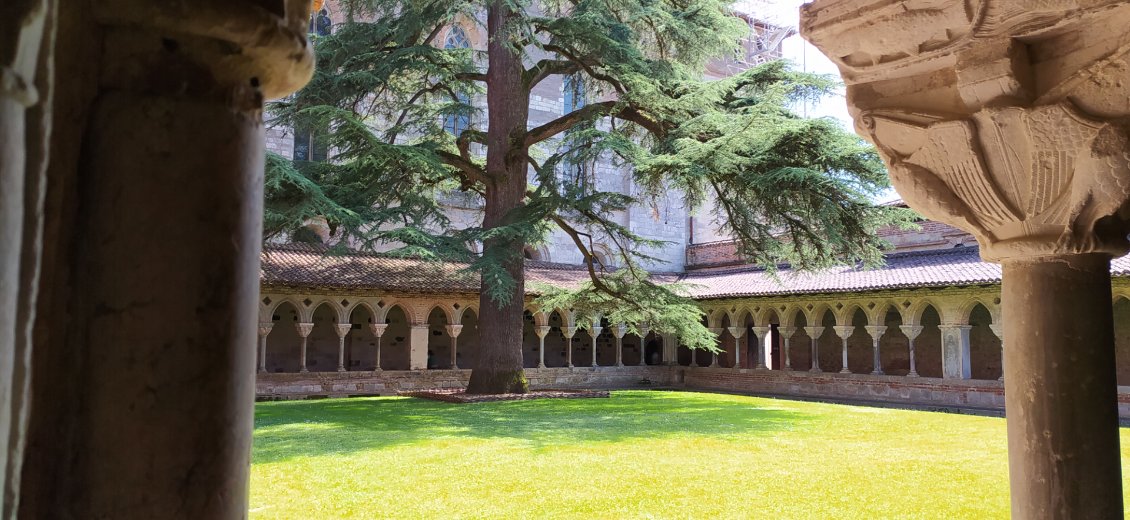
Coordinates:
914 315
335 307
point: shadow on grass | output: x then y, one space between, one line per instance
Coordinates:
285 430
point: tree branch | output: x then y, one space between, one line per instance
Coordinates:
546 68
470 170
604 108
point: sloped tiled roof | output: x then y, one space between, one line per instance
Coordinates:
299 266
939 268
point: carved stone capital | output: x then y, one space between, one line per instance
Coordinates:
619 330
454 330
644 330
762 332
787 332
814 332
265 328
541 330
844 331
876 331
736 332
378 329
1006 119
343 329
595 331
717 331
304 329
568 332
911 331
1026 181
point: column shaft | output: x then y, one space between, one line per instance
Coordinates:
845 369
1061 388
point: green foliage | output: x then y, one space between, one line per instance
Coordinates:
791 190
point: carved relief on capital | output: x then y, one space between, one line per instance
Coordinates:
454 330
736 332
1026 181
542 330
343 329
378 329
874 40
304 329
265 328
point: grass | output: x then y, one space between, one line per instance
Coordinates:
640 454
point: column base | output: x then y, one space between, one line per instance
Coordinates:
877 373
845 370
815 370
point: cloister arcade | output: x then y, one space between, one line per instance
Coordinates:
951 333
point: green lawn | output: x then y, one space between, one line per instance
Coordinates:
640 454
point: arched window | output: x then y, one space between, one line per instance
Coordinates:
573 89
455 124
320 23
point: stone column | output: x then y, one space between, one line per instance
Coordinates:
418 346
876 332
264 330
737 333
166 245
670 349
718 331
912 332
786 338
618 331
761 335
1008 120
342 330
998 329
541 331
814 334
454 331
304 330
594 331
569 332
844 332
378 330
955 351
644 330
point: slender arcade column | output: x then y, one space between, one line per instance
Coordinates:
1008 120
876 332
594 331
304 330
718 332
759 337
541 331
264 331
644 330
844 332
568 333
737 333
786 338
342 330
814 335
912 332
618 331
453 331
378 330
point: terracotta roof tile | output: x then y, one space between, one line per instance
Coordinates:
301 266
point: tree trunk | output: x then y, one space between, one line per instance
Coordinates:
499 367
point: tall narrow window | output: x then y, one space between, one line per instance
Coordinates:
573 89
307 147
457 123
